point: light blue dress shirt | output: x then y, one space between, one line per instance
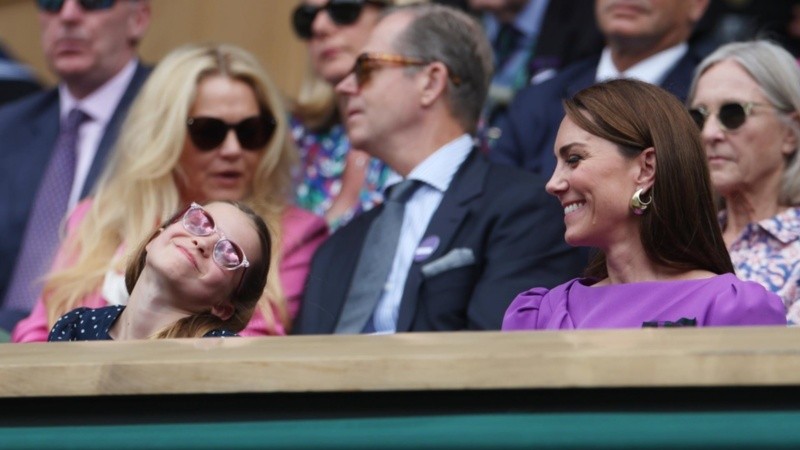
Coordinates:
435 172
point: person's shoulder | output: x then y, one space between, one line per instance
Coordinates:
529 307
555 86
65 326
513 185
294 216
299 225
741 302
27 107
509 175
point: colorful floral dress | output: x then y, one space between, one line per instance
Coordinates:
319 177
768 252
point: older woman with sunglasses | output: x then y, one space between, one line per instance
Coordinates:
334 181
207 126
187 279
745 97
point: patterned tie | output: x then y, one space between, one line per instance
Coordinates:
505 44
376 259
49 208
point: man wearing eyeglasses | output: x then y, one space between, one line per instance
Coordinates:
646 40
56 143
457 237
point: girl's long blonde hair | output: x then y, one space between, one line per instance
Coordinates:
139 188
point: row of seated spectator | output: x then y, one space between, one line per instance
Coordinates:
457 237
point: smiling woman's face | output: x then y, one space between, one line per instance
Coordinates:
186 263
225 172
594 183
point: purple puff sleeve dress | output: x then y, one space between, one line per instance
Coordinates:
722 300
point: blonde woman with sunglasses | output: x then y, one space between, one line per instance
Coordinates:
207 126
745 97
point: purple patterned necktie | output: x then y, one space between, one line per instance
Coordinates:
49 208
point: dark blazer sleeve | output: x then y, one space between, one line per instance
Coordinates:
524 246
329 278
522 132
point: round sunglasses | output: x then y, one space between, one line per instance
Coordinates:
342 12
730 115
253 133
227 254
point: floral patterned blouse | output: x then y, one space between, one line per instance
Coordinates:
769 252
322 160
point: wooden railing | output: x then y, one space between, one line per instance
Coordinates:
425 361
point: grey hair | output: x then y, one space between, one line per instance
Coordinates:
447 35
777 73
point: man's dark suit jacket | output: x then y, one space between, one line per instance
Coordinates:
28 132
514 229
14 89
529 129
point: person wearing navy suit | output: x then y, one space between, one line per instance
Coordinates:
473 233
646 40
16 80
91 46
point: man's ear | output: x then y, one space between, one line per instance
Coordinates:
696 10
647 168
224 310
138 21
434 82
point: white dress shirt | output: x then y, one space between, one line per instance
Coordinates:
651 70
435 172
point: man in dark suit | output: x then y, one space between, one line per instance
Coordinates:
16 80
531 40
645 40
92 49
471 235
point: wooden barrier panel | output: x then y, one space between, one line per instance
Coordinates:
714 357
654 388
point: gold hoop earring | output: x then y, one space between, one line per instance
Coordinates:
637 204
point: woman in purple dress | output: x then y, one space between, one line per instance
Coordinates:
631 175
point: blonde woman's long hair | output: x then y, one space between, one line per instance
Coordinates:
139 188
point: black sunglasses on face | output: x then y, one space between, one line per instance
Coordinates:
54 6
342 12
730 115
253 133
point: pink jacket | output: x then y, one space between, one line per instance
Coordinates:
303 232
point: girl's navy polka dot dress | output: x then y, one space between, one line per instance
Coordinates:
87 324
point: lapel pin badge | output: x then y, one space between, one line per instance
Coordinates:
426 248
